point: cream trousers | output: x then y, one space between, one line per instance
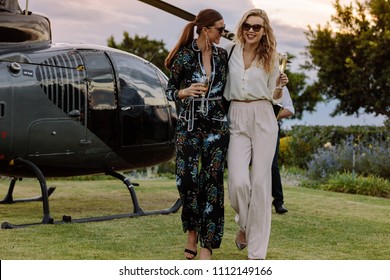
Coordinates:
253 135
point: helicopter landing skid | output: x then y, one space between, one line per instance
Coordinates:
137 212
8 199
44 198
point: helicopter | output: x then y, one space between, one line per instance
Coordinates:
77 109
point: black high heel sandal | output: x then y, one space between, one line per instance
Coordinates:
192 253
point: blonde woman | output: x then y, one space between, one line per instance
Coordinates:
253 84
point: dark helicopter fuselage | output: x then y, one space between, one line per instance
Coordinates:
81 109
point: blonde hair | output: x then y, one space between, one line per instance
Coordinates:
205 18
266 50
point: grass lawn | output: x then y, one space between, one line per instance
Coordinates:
320 225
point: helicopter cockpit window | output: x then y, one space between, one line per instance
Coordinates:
16 28
101 91
144 110
139 83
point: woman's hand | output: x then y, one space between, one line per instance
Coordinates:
194 90
282 81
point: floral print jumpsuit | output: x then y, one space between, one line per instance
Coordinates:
202 140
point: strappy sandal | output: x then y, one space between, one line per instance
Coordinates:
192 253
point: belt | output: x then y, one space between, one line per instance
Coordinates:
189 115
207 98
248 101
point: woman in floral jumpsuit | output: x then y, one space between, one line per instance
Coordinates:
202 133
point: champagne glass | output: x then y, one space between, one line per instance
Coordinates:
282 62
205 81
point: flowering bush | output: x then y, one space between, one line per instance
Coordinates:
284 150
335 145
363 158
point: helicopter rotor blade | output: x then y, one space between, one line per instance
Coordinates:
170 9
179 13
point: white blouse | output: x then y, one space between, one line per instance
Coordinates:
250 84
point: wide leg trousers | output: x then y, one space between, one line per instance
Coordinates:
200 163
253 134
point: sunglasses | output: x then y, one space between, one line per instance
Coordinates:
220 29
255 27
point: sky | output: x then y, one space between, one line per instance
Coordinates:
94 21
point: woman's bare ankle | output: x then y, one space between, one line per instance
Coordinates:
205 254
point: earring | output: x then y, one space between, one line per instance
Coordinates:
207 42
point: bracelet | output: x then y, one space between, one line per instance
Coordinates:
280 88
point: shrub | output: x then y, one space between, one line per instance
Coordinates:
348 156
284 150
373 158
350 183
323 164
306 140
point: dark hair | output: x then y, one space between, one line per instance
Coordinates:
205 18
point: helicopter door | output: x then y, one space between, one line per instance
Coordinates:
101 96
144 113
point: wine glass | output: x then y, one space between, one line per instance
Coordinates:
205 81
282 62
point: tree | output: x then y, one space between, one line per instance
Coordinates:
352 59
301 99
143 47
